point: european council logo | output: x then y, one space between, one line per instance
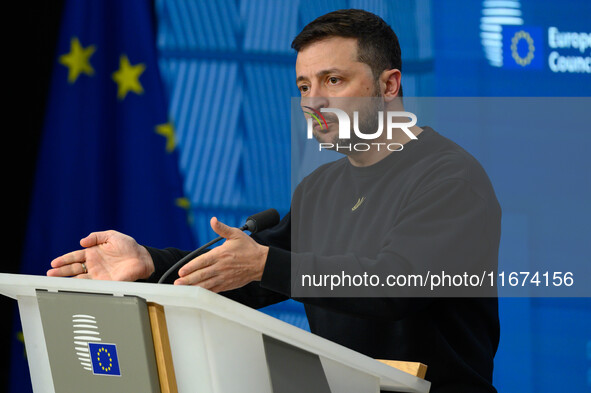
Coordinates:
104 359
523 47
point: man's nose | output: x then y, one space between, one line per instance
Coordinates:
315 100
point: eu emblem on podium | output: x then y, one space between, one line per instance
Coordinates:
104 359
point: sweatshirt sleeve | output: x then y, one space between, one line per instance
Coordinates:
163 260
252 295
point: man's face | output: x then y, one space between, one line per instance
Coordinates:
327 72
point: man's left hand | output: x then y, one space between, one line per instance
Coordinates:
237 262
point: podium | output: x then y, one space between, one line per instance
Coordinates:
211 344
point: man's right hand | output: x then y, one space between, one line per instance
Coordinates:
108 255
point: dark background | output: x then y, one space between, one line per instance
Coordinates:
30 62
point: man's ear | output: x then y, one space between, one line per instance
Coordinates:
390 83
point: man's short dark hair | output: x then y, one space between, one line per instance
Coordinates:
377 44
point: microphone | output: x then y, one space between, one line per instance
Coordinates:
260 221
255 223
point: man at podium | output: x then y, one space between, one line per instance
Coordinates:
425 206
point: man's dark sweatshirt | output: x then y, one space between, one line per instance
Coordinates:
427 208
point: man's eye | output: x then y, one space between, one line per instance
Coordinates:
333 80
303 88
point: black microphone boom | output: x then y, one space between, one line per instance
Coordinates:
255 223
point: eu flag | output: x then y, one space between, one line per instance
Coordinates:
107 157
104 358
523 47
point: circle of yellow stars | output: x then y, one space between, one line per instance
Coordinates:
127 77
105 367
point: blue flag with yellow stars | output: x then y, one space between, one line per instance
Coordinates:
107 158
104 359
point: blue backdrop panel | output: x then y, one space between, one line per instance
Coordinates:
541 180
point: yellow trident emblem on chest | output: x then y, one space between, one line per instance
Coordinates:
359 203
